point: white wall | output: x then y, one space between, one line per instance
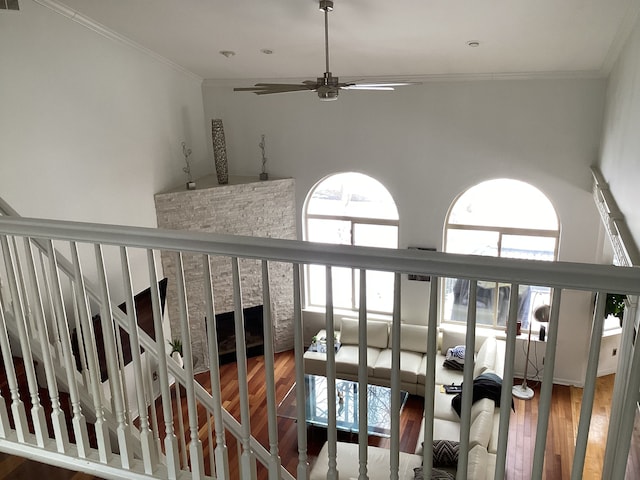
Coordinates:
427 144
90 129
620 157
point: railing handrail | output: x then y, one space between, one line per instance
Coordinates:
577 276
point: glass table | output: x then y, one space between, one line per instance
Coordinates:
347 405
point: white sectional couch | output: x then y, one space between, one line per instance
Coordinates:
489 358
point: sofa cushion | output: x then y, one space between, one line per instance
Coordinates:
478 463
486 357
481 429
348 463
445 430
413 338
348 356
377 333
409 366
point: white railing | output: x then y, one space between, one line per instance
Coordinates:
42 307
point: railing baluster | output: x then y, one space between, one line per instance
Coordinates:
17 407
628 414
113 370
78 421
146 437
195 445
430 378
620 388
467 383
54 338
332 438
544 405
170 440
57 415
507 383
211 453
151 403
221 454
26 306
37 412
269 370
363 379
247 459
5 427
396 332
88 345
118 331
303 464
80 334
183 441
589 390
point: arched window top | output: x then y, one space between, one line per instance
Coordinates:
351 194
504 203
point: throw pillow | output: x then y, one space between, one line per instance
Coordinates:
445 453
435 474
454 358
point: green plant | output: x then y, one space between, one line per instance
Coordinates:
615 305
176 346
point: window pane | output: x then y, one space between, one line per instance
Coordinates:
354 195
457 301
379 291
528 247
341 286
329 231
369 235
504 203
316 284
472 242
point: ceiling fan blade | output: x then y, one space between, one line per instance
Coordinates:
366 87
391 84
274 88
288 90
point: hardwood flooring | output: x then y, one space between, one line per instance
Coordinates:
563 423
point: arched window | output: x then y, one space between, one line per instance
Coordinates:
350 209
500 218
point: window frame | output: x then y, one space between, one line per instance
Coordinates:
501 232
353 221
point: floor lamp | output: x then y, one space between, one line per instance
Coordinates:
523 391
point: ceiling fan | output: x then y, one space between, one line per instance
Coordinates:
327 86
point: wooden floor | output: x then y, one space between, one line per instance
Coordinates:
560 440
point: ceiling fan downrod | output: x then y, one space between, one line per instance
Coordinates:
327 84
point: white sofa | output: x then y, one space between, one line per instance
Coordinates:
378 463
489 357
413 345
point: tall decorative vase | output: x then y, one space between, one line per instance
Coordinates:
219 151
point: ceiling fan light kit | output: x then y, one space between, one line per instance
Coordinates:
327 87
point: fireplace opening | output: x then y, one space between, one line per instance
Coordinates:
253 331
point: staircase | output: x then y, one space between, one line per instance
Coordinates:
55 414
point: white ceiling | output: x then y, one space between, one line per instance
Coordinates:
372 38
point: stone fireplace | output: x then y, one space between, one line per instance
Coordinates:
244 206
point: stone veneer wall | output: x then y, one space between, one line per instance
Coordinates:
260 209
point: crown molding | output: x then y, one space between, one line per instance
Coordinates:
622 35
106 32
446 77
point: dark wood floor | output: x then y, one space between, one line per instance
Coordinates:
560 440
